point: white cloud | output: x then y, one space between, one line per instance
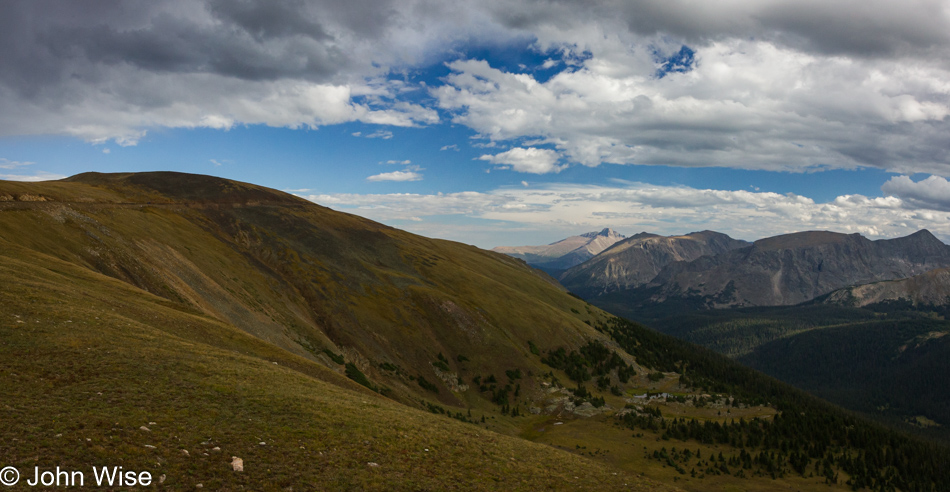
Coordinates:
780 84
526 160
746 104
556 211
931 193
396 176
404 163
215 162
450 147
106 151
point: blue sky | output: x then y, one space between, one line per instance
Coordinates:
508 123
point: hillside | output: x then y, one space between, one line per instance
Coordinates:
888 361
565 253
635 261
167 322
894 369
930 288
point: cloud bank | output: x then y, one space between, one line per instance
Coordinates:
557 211
776 85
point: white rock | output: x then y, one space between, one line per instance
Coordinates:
237 464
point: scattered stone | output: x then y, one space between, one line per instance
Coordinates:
199 486
185 452
146 429
152 423
216 448
586 410
161 479
372 464
262 443
149 446
237 464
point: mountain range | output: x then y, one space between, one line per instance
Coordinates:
635 261
179 323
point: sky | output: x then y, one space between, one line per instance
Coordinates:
504 122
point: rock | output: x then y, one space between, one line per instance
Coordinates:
237 464
372 464
586 410
146 429
161 479
185 452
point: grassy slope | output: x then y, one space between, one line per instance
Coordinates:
305 278
87 360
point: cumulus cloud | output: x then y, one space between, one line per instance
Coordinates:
777 85
931 193
556 211
526 160
746 104
404 163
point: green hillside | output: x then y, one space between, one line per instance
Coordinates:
148 319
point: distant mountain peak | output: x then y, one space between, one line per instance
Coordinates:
567 252
605 232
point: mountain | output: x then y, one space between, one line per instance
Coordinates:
166 323
930 288
793 268
565 253
635 261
